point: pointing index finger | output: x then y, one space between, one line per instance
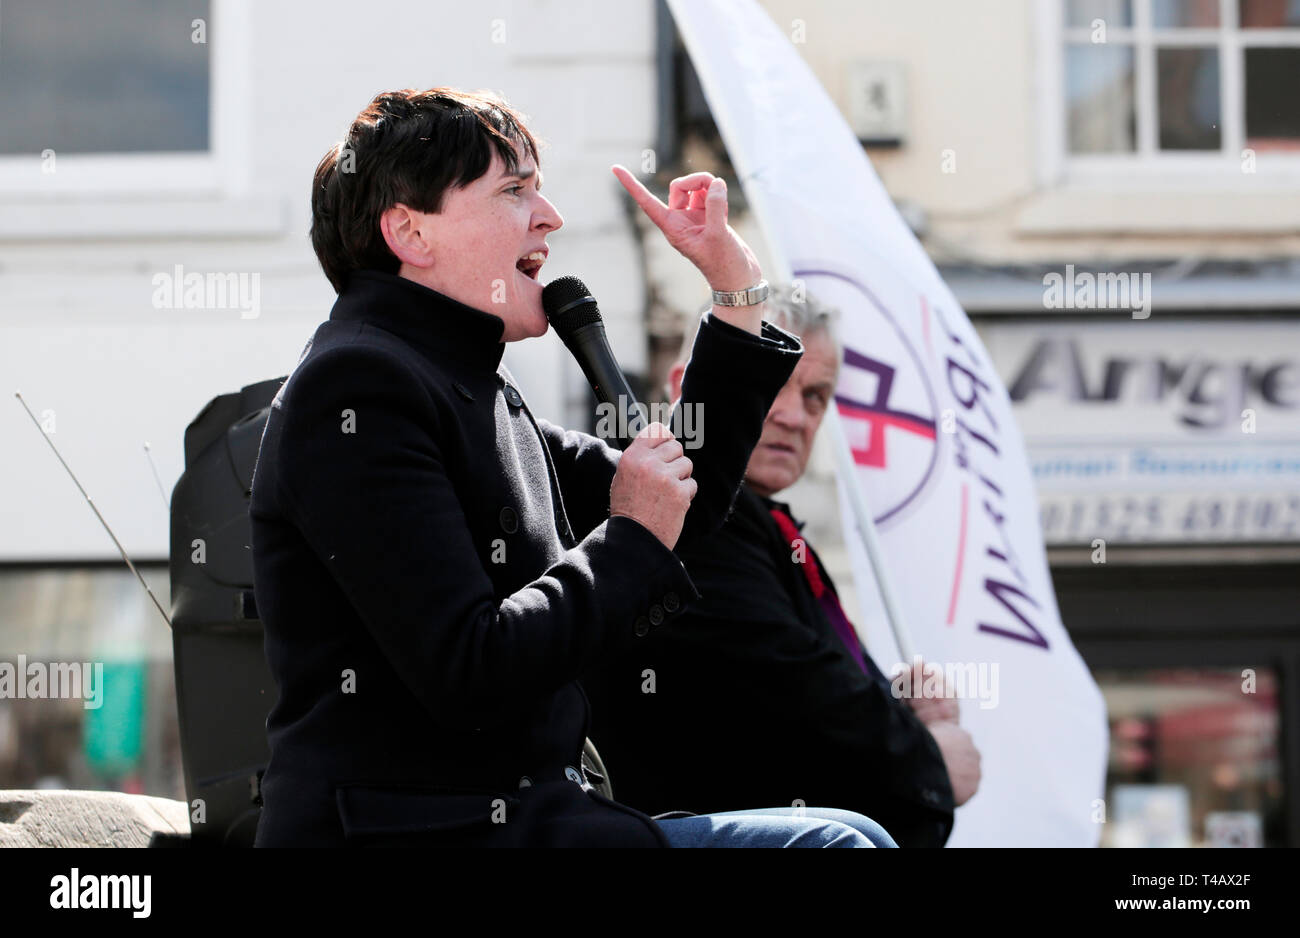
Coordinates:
655 210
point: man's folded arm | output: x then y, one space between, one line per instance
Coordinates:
378 509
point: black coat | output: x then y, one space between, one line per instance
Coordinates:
435 568
756 702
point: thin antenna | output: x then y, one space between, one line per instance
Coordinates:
157 478
120 549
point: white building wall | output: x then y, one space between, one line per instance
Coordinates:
982 154
81 338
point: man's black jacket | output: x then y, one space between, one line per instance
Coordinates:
435 568
756 702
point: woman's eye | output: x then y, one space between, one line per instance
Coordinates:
513 190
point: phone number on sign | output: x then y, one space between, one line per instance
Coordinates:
1170 517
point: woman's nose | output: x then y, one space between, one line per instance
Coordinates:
547 215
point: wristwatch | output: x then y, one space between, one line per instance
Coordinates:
755 294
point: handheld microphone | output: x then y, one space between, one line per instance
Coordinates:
572 311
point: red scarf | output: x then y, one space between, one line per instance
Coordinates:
830 603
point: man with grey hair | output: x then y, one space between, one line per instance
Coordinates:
762 692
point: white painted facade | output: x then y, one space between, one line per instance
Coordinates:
79 248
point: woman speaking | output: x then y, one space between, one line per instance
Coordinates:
435 567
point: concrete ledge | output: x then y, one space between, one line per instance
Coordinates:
54 818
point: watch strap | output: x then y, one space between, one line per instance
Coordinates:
755 294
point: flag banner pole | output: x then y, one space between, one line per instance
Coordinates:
932 470
866 527
863 521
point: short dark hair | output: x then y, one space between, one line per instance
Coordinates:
406 146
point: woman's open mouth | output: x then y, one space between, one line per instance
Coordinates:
530 264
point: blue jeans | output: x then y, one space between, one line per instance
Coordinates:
776 827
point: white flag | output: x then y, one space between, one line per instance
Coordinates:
938 456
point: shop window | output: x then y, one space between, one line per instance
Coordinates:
1194 758
87 689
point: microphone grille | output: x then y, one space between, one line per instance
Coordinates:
569 305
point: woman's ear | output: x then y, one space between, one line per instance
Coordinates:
403 231
675 380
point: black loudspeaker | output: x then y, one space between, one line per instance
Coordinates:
224 689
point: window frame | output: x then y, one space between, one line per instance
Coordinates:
224 169
1148 166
